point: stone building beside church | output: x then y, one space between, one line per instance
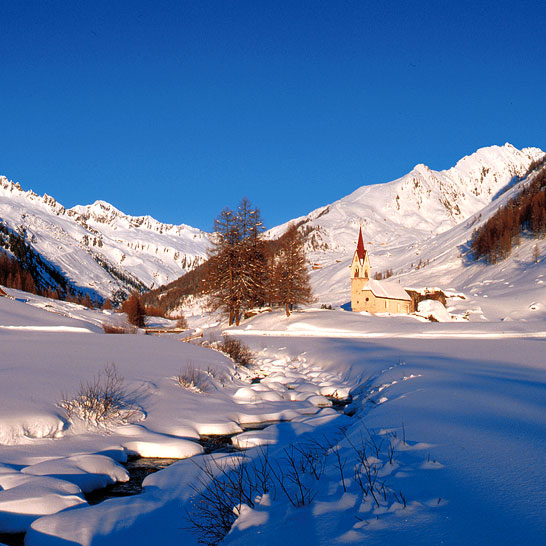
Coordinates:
371 295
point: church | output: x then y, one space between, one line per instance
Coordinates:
371 295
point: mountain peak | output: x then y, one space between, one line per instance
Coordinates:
421 168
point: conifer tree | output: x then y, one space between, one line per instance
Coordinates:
135 310
220 279
235 280
290 274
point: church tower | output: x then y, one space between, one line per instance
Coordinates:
360 273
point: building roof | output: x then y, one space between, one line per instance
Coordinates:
360 250
386 289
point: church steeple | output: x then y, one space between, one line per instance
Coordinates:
360 274
360 268
360 250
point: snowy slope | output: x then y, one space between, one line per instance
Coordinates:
98 247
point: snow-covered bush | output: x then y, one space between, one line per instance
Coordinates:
102 401
194 379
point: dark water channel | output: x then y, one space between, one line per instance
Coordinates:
15 539
138 468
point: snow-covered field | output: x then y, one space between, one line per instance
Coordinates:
451 417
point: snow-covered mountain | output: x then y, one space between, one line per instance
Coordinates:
421 203
102 249
512 289
99 248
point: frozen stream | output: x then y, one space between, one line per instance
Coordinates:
287 393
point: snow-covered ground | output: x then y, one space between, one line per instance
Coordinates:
451 416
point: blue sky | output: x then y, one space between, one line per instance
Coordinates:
177 109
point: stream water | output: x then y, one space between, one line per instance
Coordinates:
138 468
15 539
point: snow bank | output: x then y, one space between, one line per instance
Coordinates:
24 498
88 472
16 428
433 308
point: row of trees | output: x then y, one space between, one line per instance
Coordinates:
13 275
246 271
524 213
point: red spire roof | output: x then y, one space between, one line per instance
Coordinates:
360 250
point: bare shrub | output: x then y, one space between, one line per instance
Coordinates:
223 486
237 351
226 484
194 379
182 323
294 475
113 329
104 400
218 376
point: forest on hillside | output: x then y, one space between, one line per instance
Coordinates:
523 214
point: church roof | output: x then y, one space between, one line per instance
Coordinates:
386 289
360 250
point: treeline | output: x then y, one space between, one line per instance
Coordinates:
244 270
524 213
167 298
12 275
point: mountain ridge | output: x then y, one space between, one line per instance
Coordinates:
416 205
101 249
